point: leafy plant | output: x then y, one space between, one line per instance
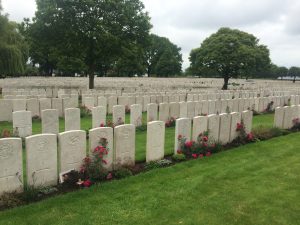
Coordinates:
158 164
179 157
122 173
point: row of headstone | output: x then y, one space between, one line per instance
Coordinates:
35 106
221 128
47 155
286 117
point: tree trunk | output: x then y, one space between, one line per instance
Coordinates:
225 85
91 80
294 81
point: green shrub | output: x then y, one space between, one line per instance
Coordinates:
265 133
142 128
178 157
122 173
158 164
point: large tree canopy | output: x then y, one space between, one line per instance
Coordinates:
230 53
294 72
90 35
13 48
163 57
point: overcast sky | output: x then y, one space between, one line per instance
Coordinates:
188 22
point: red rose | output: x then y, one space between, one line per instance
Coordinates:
179 151
102 125
87 183
205 139
104 161
188 144
195 156
109 176
179 136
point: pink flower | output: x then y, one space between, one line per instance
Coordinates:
109 176
87 183
195 156
189 144
205 139
250 137
208 154
102 125
201 156
179 136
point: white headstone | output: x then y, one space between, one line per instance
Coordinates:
95 136
152 112
33 106
155 141
98 116
199 126
183 110
225 123
213 127
41 160
72 149
72 119
136 115
247 117
50 122
174 110
11 166
183 128
124 139
22 123
164 111
6 109
118 115
235 119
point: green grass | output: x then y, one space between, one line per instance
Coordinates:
254 184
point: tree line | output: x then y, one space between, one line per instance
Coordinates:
113 38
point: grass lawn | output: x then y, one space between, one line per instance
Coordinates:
254 184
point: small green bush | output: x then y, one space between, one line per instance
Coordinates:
178 157
265 133
122 173
158 164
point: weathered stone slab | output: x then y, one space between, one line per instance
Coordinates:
22 123
279 117
98 116
19 105
57 103
6 109
190 110
183 109
33 106
204 107
136 115
211 107
213 127
72 119
164 111
11 168
50 122
183 128
72 149
287 121
41 160
118 115
199 126
174 110
247 117
146 101
124 139
95 136
152 110
45 103
235 119
225 123
155 141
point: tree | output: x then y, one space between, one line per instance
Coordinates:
231 53
13 48
163 57
92 33
294 72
